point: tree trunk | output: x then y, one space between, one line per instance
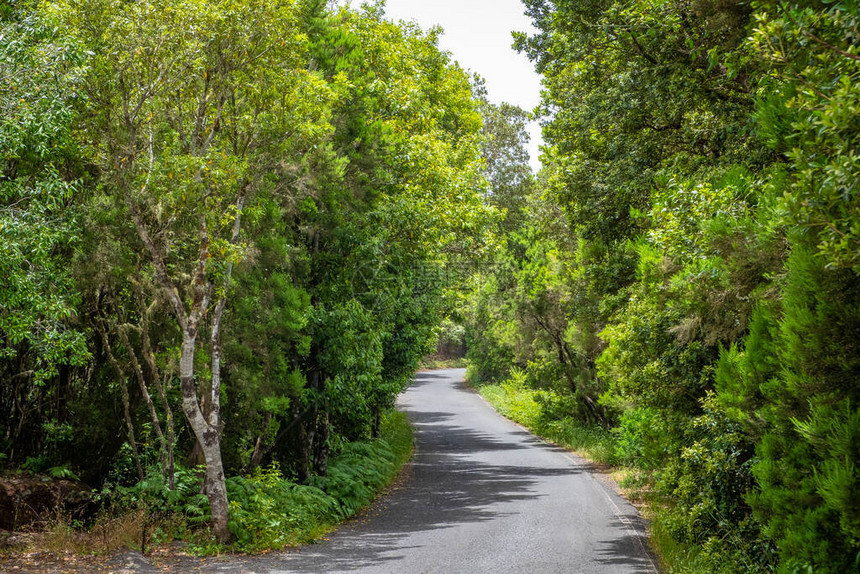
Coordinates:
160 385
377 421
321 446
257 456
209 440
308 444
303 468
126 401
147 398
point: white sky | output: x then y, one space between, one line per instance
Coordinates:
478 35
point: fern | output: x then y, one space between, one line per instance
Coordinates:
269 511
62 472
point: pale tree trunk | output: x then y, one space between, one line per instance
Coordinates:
208 437
206 425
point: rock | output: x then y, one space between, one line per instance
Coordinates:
30 501
128 561
14 540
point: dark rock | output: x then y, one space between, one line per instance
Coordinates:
31 501
14 540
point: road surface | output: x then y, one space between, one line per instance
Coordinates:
481 495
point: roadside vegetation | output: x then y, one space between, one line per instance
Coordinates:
268 510
230 231
678 291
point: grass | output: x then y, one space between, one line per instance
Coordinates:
520 404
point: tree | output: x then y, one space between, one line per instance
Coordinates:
808 114
504 150
40 74
197 108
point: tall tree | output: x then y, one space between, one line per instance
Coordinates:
197 108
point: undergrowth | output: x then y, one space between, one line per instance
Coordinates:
267 510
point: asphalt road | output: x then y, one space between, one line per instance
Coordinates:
481 495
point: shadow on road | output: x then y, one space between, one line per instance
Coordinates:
629 550
449 483
446 487
425 377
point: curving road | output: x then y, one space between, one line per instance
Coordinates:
481 495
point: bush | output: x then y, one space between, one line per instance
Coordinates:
639 433
268 511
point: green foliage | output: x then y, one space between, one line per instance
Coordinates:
352 353
40 75
62 472
513 399
802 413
451 341
809 114
153 495
269 511
640 434
710 479
689 257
